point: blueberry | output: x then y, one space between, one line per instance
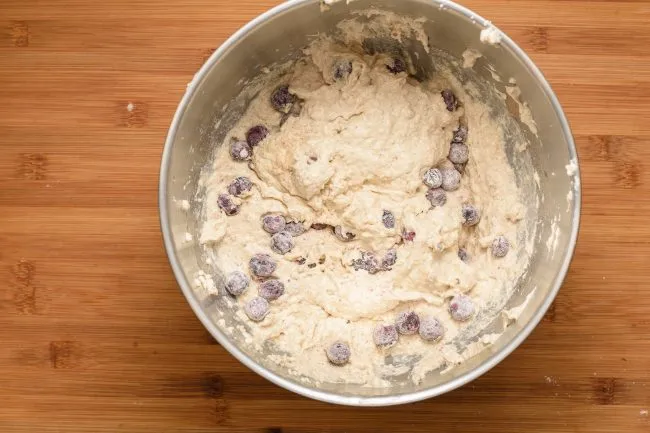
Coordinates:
273 223
271 289
463 254
227 205
408 235
458 153
282 99
262 265
407 323
294 228
338 353
437 197
282 242
256 134
256 309
236 283
431 329
450 179
388 219
343 235
432 178
240 150
240 185
342 69
460 134
500 246
461 308
397 66
450 99
367 262
471 215
390 258
385 336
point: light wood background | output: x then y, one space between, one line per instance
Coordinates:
94 333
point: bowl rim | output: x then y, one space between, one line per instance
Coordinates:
326 396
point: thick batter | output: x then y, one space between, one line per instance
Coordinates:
352 243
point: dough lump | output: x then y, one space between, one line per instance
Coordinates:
357 145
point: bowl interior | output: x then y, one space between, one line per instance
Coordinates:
219 93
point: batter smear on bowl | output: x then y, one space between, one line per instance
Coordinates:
365 219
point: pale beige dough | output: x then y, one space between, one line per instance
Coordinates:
360 146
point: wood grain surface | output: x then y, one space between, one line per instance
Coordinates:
95 333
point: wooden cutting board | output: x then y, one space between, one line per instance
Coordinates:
94 332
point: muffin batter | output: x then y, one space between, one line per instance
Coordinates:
364 220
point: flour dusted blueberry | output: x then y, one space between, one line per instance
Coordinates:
236 283
367 262
338 353
458 153
460 134
388 219
240 150
398 65
437 197
271 289
239 186
227 204
282 242
390 258
385 336
256 309
262 265
471 215
432 178
273 223
294 228
282 99
450 179
343 234
342 69
256 134
500 246
463 254
407 323
461 308
408 235
450 99
431 329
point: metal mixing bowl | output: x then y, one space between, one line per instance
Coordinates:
280 34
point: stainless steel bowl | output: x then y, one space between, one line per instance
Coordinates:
280 34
